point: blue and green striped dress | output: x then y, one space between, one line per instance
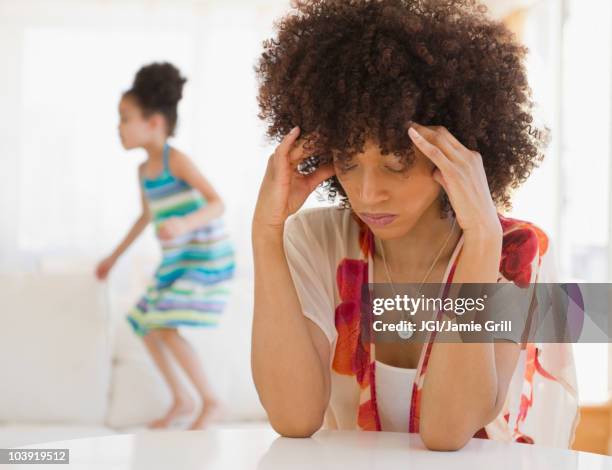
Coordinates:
191 285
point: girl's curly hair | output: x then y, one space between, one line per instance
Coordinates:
157 88
349 70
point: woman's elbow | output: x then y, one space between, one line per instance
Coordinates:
443 438
296 427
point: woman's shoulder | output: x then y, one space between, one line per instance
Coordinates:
321 218
329 226
524 247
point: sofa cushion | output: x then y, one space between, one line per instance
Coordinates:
55 351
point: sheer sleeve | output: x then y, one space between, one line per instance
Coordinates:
547 400
555 397
310 257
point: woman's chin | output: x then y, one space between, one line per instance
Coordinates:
385 232
394 230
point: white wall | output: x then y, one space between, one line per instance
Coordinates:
69 190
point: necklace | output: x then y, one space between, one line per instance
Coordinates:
405 334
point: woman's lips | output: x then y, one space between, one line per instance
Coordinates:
378 220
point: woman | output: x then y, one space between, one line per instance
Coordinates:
418 114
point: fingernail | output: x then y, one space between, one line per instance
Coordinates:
294 130
414 133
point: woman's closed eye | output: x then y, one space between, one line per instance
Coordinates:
397 169
343 166
395 165
347 168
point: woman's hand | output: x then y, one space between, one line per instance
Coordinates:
478 389
461 173
172 228
284 190
104 267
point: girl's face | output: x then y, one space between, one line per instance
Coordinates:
135 130
387 197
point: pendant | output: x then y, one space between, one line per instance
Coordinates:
405 334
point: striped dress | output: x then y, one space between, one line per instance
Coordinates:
191 285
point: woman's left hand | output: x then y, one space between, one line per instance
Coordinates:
172 228
461 173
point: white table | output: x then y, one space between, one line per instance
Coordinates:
263 449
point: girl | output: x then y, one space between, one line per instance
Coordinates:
417 115
190 287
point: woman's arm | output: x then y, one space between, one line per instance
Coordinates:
466 383
290 355
477 375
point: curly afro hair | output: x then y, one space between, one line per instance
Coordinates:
157 88
347 71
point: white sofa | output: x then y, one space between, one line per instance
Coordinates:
71 366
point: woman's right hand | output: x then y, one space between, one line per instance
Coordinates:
283 190
104 267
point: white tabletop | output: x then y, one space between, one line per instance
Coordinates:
263 449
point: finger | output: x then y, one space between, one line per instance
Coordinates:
285 146
439 138
431 151
303 147
297 152
443 133
320 174
439 178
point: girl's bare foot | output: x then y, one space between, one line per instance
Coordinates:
210 409
182 407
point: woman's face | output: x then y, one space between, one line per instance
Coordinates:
135 130
387 197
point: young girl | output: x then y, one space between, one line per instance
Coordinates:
419 116
190 287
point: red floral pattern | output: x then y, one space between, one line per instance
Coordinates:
522 242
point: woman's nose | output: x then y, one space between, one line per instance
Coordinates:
372 190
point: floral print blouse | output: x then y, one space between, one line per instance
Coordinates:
329 251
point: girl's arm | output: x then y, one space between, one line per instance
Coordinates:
139 225
182 167
107 264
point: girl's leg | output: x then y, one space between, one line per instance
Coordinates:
182 403
188 358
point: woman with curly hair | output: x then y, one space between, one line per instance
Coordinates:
417 117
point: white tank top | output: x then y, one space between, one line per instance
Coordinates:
393 396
